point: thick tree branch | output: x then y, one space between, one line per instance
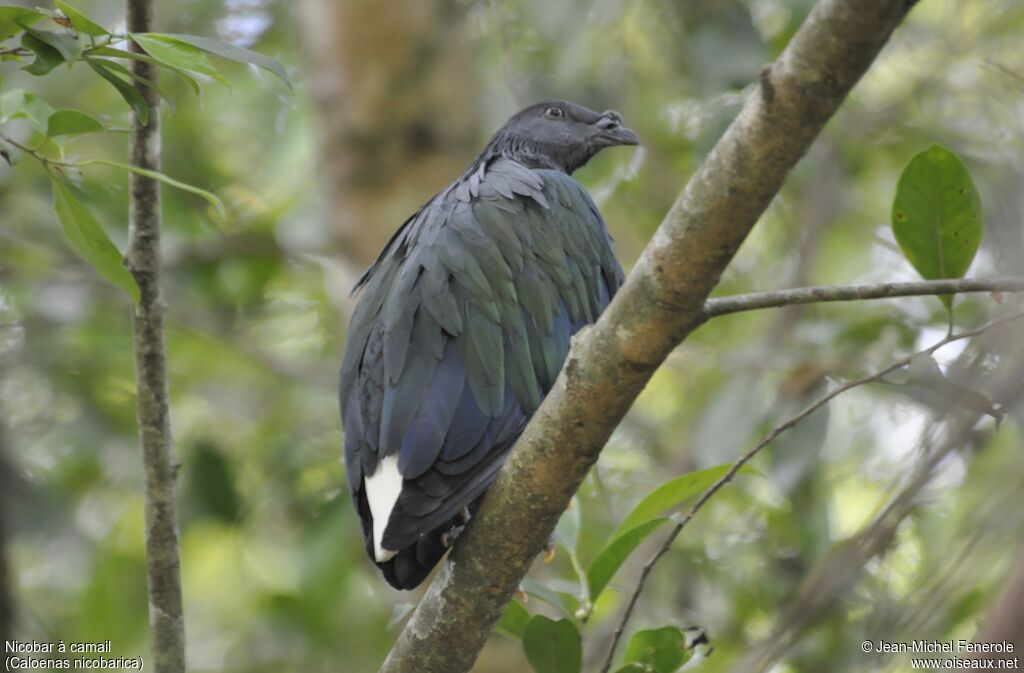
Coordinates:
765 441
661 302
143 260
811 295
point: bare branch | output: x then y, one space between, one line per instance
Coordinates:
661 302
810 295
143 260
765 441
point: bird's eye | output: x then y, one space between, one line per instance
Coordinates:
554 113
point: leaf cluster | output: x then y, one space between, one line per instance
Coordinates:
76 39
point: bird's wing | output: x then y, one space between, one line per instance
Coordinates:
462 330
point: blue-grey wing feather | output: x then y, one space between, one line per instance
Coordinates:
463 325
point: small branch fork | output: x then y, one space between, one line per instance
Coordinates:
768 439
46 162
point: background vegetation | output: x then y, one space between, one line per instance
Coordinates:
388 106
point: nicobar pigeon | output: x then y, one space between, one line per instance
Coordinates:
462 325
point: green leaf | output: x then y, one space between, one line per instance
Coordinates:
127 91
552 598
513 621
72 122
611 558
156 175
567 532
65 43
936 215
552 647
117 68
122 53
645 518
673 492
662 650
233 53
177 54
634 668
80 22
18 103
14 19
47 58
90 241
208 488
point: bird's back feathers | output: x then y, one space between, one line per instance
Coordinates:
463 324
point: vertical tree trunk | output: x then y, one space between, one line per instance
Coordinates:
143 260
394 92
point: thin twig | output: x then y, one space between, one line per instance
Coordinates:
63 163
999 67
15 51
768 439
810 295
44 160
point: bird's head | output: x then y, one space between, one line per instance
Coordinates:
560 135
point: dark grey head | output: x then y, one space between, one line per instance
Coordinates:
558 134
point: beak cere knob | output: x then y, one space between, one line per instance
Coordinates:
610 119
612 130
613 115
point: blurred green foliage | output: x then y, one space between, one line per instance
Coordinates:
274 573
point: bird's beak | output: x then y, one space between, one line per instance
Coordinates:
612 132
